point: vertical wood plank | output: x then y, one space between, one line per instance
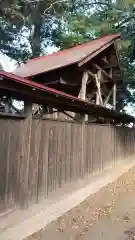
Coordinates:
40 156
43 161
114 97
14 157
4 162
25 155
34 160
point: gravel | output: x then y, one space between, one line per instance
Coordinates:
99 212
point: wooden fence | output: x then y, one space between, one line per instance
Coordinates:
38 160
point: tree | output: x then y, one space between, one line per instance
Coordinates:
26 26
112 17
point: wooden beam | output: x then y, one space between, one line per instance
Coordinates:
27 108
91 74
110 72
98 79
11 115
25 158
103 71
110 93
94 54
108 97
97 99
82 93
104 59
17 110
7 107
52 82
62 81
69 115
36 108
114 97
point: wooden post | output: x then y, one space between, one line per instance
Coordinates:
7 105
103 71
97 99
114 97
108 97
98 81
25 154
82 95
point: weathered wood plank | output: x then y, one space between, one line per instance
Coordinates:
40 156
13 167
25 156
114 97
34 160
4 162
43 161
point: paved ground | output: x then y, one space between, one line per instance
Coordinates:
109 214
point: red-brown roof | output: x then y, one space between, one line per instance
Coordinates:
66 57
38 93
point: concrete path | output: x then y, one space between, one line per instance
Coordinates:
106 215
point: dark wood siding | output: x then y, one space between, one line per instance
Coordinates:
38 157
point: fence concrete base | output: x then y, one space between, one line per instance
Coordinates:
19 225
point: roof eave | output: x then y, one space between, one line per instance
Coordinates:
95 53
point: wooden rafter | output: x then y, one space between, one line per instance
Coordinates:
52 82
61 81
104 59
64 82
103 71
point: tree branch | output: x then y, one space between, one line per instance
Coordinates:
63 1
52 4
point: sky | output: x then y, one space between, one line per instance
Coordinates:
9 65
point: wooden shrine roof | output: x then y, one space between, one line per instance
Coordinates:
23 89
74 55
